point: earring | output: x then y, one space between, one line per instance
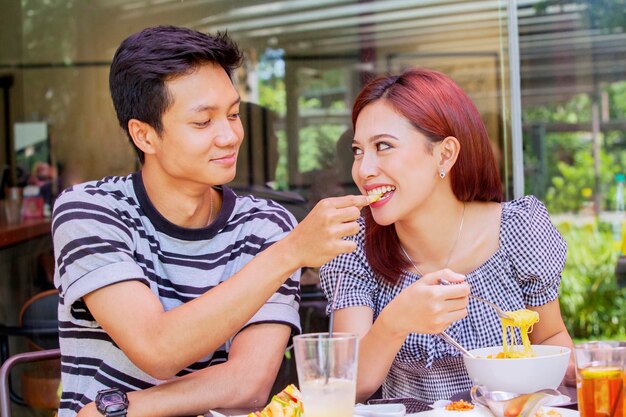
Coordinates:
442 173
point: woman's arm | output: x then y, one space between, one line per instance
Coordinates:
423 307
550 330
377 347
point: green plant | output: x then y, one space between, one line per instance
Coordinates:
592 304
565 192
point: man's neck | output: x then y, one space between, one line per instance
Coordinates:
183 203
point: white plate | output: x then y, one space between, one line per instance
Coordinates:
562 400
218 414
483 412
440 412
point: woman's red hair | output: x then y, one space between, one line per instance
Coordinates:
437 108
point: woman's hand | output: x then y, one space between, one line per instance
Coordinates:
426 306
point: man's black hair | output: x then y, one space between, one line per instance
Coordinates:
146 59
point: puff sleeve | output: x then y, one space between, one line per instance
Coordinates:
357 285
536 250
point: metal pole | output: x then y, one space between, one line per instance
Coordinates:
517 148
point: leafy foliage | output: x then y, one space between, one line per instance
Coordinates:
565 194
592 303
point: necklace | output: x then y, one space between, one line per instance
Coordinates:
451 250
210 206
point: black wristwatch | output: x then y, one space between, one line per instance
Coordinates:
112 402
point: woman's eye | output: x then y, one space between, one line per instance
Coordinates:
202 124
381 146
356 151
234 116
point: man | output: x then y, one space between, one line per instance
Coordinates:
173 289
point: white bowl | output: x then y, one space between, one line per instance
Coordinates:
518 375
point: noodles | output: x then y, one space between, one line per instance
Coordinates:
524 319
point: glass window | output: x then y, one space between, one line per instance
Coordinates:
574 123
305 62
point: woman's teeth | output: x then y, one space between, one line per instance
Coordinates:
378 192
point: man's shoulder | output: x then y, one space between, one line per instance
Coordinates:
252 207
112 185
112 191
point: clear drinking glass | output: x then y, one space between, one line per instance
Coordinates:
13 205
601 378
327 369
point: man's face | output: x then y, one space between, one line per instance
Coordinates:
202 131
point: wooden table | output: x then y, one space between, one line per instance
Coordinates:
23 247
11 234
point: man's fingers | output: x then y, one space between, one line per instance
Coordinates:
348 229
347 214
349 201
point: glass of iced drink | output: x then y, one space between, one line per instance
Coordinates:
327 367
601 379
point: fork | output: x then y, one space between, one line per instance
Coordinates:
447 338
501 313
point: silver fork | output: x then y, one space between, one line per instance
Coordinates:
501 313
446 337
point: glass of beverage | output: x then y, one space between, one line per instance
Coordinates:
327 367
601 379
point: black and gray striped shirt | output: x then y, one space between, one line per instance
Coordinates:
524 271
108 231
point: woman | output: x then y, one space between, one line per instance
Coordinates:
420 140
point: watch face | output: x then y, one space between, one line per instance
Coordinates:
113 398
111 401
112 408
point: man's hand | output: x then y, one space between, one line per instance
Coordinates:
320 236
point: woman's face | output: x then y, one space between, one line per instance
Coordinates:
390 155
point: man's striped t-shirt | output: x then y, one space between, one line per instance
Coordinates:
108 231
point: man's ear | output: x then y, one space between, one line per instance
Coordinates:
144 136
449 149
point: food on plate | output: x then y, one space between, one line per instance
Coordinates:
460 405
287 403
550 413
524 319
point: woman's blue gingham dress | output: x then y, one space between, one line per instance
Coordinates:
525 271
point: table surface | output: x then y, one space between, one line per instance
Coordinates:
413 405
11 234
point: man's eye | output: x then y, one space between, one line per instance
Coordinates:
202 124
234 116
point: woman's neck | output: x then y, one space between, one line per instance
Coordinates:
431 234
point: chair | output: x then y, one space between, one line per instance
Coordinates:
38 324
5 374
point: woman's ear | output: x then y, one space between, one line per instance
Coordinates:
449 149
144 135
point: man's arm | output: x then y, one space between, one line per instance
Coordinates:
162 343
244 381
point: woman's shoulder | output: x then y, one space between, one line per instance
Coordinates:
526 220
525 208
